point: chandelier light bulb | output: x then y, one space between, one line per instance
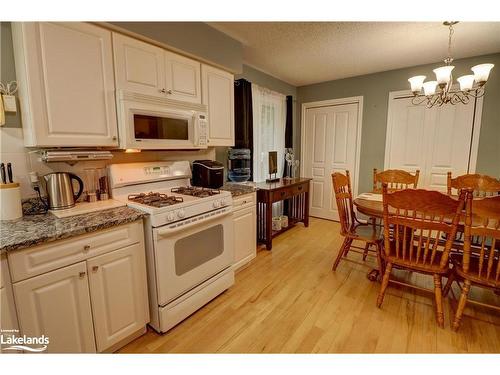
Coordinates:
466 82
482 72
430 87
443 74
416 83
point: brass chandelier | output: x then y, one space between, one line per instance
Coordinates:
440 91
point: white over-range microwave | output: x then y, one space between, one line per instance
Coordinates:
155 123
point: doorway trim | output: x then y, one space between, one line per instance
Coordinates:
476 128
328 103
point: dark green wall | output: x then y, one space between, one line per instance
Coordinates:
375 90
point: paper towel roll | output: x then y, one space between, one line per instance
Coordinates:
10 201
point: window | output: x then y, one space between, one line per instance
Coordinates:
269 119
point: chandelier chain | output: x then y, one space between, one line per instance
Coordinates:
449 42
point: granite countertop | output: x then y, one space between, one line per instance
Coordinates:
33 230
236 189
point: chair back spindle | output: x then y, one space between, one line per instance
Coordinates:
343 197
415 221
482 185
481 255
396 179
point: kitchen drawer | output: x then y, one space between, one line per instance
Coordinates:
244 201
300 189
279 195
47 257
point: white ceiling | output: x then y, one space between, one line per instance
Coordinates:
303 53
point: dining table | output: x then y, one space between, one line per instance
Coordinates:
370 204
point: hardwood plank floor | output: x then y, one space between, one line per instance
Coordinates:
289 301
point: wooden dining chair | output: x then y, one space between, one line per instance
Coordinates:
479 263
350 228
396 179
481 184
418 218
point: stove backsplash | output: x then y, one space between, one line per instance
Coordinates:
24 161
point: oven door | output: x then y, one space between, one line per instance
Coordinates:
189 252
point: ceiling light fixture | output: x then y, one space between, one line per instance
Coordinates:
439 92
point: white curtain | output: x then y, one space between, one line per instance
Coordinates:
269 120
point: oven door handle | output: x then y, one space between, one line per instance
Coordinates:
170 229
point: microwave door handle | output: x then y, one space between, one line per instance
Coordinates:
171 229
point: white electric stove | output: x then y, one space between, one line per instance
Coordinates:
188 232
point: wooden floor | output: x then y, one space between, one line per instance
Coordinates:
289 301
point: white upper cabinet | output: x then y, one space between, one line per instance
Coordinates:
218 95
144 68
182 78
138 66
66 84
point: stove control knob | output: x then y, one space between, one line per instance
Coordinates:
170 216
181 214
217 204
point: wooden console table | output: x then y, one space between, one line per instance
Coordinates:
293 191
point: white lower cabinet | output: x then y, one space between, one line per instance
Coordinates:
8 316
57 305
8 320
118 288
96 304
245 235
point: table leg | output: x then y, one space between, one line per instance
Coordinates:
306 209
269 226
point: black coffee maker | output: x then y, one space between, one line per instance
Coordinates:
208 174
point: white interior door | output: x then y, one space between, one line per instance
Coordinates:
435 140
330 146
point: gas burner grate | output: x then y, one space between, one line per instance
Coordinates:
155 199
195 191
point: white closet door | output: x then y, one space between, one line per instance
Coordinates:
330 146
435 140
406 146
450 132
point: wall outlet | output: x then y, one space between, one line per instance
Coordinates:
35 182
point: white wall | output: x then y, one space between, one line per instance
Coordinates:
13 151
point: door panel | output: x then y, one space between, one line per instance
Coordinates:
57 305
244 234
183 77
119 297
218 95
139 66
72 90
330 146
449 144
407 146
435 140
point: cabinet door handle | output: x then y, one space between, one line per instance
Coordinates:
163 91
82 274
169 91
95 268
86 248
114 138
